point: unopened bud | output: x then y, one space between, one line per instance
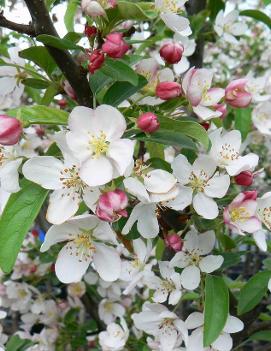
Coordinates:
111 206
245 178
96 60
115 46
172 52
10 130
174 242
148 122
90 31
168 90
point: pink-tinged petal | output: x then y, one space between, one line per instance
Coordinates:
213 96
206 113
187 79
251 225
200 81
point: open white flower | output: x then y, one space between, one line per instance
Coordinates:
95 139
110 310
158 321
168 286
261 117
191 260
10 161
225 151
168 13
199 184
223 343
138 270
158 188
86 238
228 26
11 89
115 336
60 176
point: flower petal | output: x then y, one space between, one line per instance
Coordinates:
69 267
205 206
107 262
210 263
96 171
45 171
121 152
190 277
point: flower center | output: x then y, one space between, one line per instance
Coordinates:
239 214
167 285
70 178
228 153
170 5
196 183
85 248
99 145
194 258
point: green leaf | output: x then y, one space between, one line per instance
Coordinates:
40 56
49 94
215 6
70 14
252 293
58 43
257 15
243 121
120 91
263 335
189 128
167 137
49 3
18 216
216 308
119 71
36 83
39 114
98 81
137 11
15 343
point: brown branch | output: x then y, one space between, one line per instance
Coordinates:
42 24
75 75
17 27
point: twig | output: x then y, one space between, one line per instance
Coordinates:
17 27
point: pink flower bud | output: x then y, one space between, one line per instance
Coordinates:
172 52
148 122
221 108
115 46
236 93
10 130
245 178
174 242
96 60
168 90
250 195
90 31
111 206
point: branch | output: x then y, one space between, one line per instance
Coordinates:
75 75
42 24
20 28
